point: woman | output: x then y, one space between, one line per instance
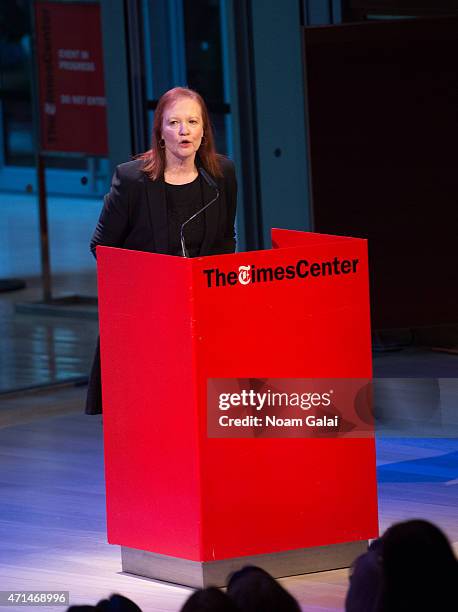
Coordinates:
152 196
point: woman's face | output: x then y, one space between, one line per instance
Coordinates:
182 129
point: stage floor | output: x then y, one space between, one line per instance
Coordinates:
52 505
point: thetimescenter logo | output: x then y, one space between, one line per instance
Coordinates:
250 274
289 407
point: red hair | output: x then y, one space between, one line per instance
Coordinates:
154 159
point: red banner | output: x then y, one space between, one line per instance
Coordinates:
71 85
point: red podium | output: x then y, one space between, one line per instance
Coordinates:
189 507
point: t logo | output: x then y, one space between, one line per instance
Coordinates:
244 275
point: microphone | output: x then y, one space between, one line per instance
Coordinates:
211 183
208 179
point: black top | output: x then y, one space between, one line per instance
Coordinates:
182 202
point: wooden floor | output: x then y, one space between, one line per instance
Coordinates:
44 350
52 505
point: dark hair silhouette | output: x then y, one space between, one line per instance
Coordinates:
365 580
116 603
254 590
420 571
209 600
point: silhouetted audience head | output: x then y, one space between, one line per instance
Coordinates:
209 600
254 590
365 580
116 603
420 571
412 567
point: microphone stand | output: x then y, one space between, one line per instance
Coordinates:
208 179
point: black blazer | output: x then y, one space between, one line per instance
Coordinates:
134 216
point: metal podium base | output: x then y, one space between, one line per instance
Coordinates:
215 573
